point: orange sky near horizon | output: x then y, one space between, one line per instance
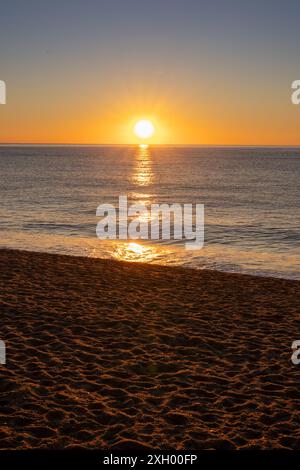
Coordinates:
203 120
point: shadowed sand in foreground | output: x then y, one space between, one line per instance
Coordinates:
104 354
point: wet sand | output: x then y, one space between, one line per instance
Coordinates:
111 355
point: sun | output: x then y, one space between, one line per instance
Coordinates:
144 129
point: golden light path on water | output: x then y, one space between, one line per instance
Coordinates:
143 173
142 176
132 251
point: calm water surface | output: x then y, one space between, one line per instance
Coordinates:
49 197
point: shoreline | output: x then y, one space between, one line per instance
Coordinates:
110 354
154 262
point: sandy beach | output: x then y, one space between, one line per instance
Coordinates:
112 355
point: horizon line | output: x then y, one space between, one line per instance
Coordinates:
66 144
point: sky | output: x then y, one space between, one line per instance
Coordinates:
213 72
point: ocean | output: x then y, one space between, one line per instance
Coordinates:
49 196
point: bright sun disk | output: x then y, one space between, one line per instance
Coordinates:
144 129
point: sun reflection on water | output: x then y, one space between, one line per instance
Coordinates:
143 174
142 177
136 248
134 252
